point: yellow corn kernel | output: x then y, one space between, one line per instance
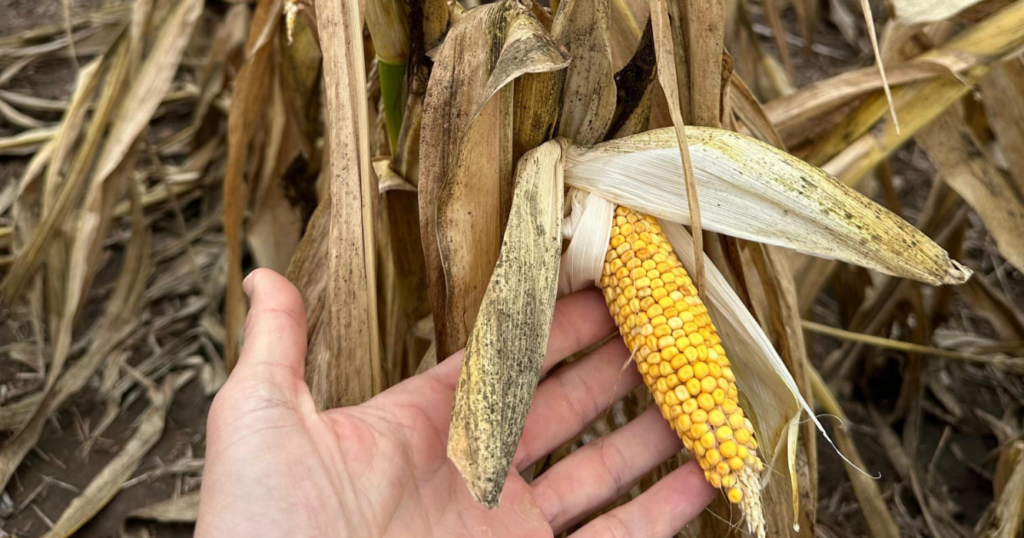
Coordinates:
705 401
668 330
693 386
735 495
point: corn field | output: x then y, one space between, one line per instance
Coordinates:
806 218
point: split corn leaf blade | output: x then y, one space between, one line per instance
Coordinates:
506 347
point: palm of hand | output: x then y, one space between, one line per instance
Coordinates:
277 467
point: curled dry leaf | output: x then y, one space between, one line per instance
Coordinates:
465 186
754 191
506 348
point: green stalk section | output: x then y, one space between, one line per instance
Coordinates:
392 79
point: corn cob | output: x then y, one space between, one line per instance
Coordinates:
668 331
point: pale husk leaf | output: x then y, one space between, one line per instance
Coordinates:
920 11
754 191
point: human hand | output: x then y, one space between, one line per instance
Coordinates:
275 466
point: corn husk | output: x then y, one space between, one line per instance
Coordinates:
753 191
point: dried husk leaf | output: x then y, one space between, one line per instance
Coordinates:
354 373
756 192
465 186
386 20
768 393
536 112
300 69
963 164
781 318
588 97
506 347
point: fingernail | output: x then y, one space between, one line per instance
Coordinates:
247 284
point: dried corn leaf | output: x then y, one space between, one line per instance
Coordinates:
506 348
963 56
1004 516
627 22
588 98
964 166
1003 97
275 225
246 107
120 319
182 509
754 191
873 135
107 484
354 372
115 163
670 54
782 320
465 183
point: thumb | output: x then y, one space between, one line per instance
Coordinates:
275 330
